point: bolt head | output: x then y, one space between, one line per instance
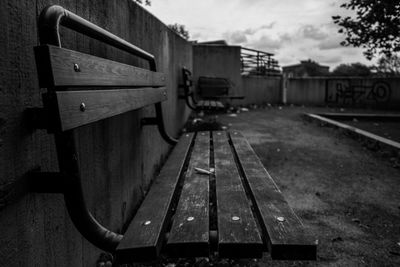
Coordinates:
76 68
82 107
190 218
147 223
235 218
280 219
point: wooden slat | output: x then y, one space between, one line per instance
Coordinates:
220 105
189 236
101 104
238 235
213 104
200 103
56 68
287 239
142 241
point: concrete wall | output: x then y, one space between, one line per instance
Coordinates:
36 230
345 91
218 61
308 91
259 90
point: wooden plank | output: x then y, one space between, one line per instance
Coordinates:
146 232
101 104
220 105
238 235
213 104
189 236
93 71
286 237
207 104
200 104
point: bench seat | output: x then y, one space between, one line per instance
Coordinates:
235 210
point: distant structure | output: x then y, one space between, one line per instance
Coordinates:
306 68
256 62
253 62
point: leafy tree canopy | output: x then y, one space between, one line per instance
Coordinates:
180 29
354 69
146 2
388 66
375 26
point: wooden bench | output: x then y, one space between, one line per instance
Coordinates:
213 194
210 105
215 88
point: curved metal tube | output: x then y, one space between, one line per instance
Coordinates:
49 23
53 16
161 127
80 215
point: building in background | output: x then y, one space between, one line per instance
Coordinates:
306 68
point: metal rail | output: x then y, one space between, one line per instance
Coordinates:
49 25
257 62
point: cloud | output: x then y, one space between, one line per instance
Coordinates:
331 43
236 37
268 44
312 32
241 36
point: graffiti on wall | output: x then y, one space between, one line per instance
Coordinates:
357 91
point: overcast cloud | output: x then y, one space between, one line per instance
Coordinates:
291 29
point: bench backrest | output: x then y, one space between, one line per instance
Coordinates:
187 82
213 86
115 87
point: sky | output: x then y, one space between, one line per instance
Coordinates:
293 30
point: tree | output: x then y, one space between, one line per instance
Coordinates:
375 26
180 29
388 66
146 2
354 69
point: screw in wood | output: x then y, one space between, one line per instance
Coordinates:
218 133
187 135
235 218
147 223
280 219
76 68
189 219
82 107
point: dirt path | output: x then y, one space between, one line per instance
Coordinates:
346 195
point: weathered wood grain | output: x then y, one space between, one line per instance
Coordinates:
77 108
70 68
286 237
145 234
189 236
238 235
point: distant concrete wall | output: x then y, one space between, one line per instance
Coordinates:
218 61
260 89
345 91
36 230
309 91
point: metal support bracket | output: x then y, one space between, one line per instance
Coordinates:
159 121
